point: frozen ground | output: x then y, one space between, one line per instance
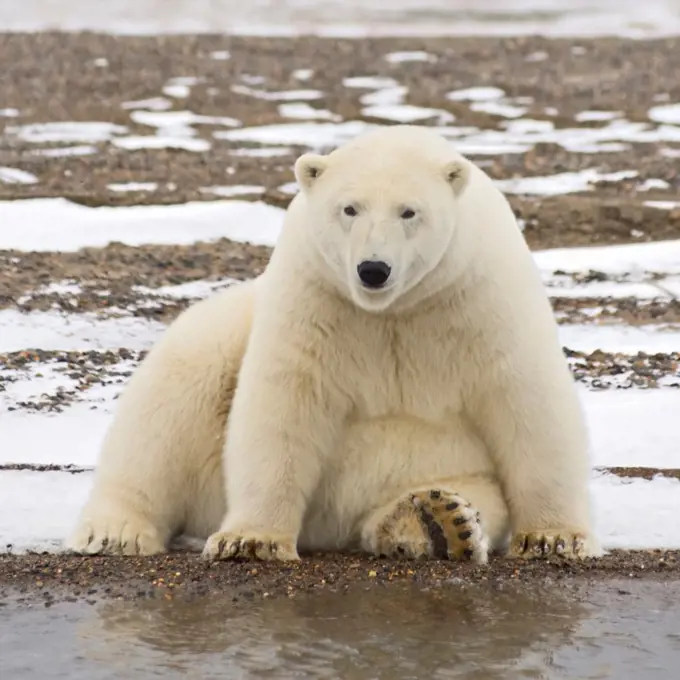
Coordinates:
634 428
349 17
73 323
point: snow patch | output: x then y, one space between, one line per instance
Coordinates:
233 190
56 330
66 132
17 176
665 113
287 95
55 224
133 186
313 135
631 259
303 111
652 339
415 55
151 104
563 183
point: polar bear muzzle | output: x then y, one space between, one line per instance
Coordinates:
374 273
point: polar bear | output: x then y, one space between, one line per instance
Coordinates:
392 383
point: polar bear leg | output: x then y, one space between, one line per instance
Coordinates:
160 469
458 519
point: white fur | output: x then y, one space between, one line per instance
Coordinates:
451 376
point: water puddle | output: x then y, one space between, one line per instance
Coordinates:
608 630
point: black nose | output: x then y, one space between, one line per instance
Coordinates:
374 274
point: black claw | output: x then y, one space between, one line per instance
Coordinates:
468 553
435 494
452 506
464 535
520 543
459 520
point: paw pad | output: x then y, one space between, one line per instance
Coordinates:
434 523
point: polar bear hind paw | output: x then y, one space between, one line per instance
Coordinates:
116 537
433 524
226 545
543 544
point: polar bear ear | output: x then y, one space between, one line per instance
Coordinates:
457 174
308 168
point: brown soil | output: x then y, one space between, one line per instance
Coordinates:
117 268
607 370
633 311
642 473
52 578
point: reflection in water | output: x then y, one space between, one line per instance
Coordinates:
471 632
628 630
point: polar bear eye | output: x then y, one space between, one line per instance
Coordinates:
408 214
350 210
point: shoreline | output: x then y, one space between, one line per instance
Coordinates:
52 578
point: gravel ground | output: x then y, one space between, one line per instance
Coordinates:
50 578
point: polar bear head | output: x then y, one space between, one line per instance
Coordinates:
382 211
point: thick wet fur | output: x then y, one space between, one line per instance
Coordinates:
418 406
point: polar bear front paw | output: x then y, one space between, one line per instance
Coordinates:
251 545
117 536
542 544
434 523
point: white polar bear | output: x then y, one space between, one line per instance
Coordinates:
392 383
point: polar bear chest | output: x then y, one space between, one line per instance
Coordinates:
420 369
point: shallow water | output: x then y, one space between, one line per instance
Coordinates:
349 17
611 630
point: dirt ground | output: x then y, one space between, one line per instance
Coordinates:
50 578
